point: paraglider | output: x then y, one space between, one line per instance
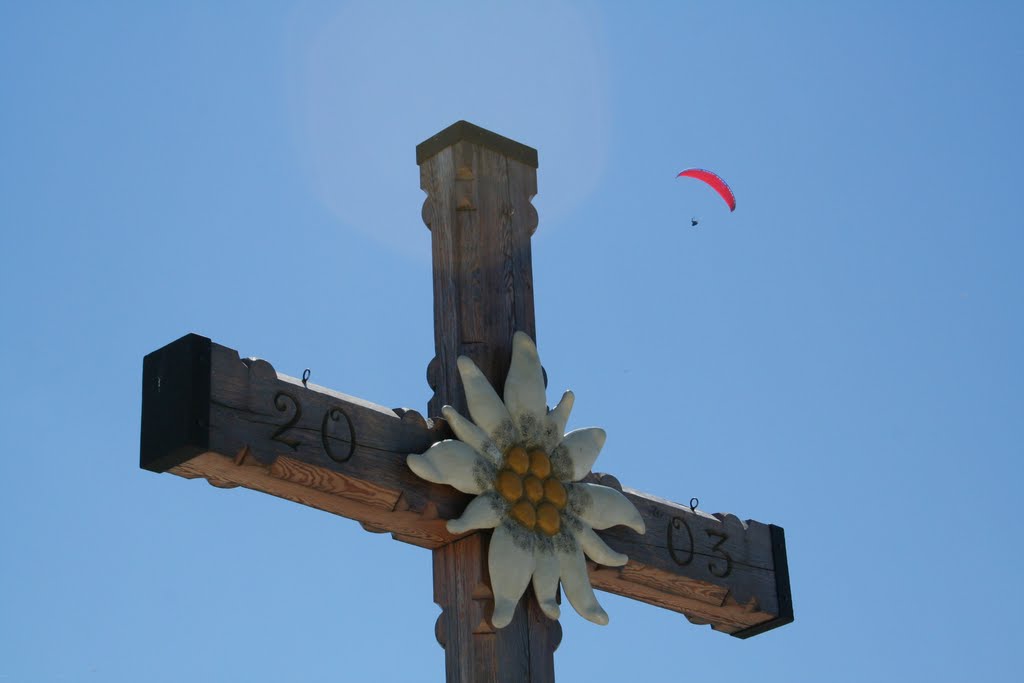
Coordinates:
716 183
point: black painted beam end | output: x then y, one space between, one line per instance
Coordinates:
782 589
175 403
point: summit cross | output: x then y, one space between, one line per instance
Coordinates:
208 413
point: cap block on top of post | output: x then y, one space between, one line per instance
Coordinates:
464 131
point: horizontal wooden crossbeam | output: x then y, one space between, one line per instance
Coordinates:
209 414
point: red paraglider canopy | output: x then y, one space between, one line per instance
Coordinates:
714 181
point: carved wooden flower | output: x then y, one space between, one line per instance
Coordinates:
526 475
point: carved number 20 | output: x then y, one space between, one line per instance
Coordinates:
283 401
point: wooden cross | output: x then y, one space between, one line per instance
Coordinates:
208 413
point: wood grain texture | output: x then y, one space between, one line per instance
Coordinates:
374 486
474 650
271 433
483 294
483 279
209 414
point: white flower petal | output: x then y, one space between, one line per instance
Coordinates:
576 584
545 581
576 454
596 549
602 507
558 417
485 407
510 562
524 389
456 464
483 512
472 435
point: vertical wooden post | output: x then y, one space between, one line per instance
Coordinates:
479 186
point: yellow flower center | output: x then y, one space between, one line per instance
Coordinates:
537 499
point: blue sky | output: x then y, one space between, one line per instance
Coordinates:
840 356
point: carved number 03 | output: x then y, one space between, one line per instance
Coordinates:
679 524
712 567
284 401
676 523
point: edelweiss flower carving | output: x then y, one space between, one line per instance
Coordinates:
525 472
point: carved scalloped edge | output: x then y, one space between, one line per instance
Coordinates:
603 479
259 368
433 368
184 472
729 601
427 212
410 416
244 453
438 425
484 598
532 217
463 173
262 370
523 179
318 497
730 519
556 634
726 518
481 593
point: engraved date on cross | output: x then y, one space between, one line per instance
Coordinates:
684 546
288 405
719 565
